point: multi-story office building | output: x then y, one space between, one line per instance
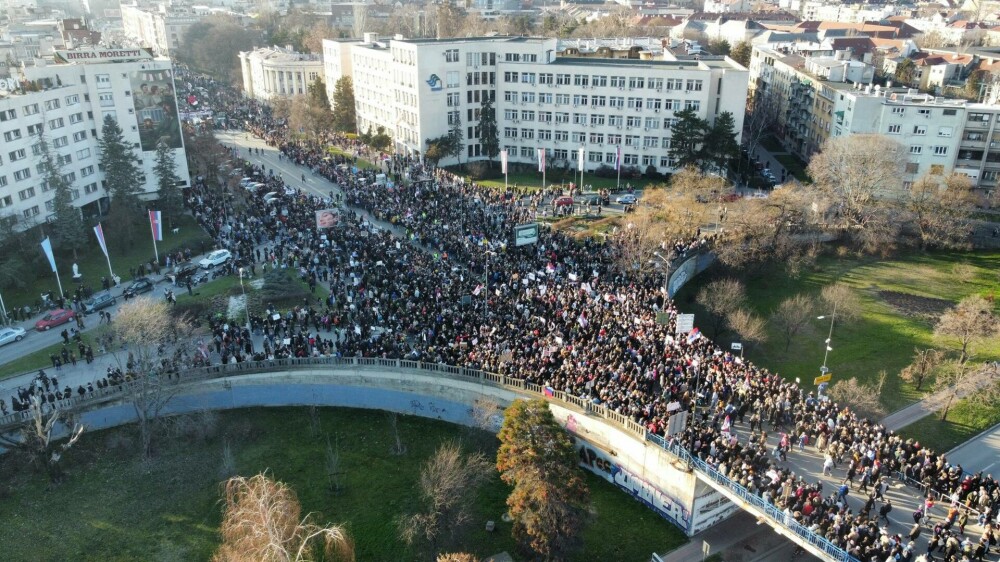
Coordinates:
419 89
275 72
67 103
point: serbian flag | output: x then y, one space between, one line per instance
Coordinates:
548 391
156 224
693 336
726 425
618 157
503 161
541 159
100 239
579 160
478 289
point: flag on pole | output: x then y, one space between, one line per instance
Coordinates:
156 224
579 160
727 424
100 239
618 157
503 161
541 159
693 336
47 248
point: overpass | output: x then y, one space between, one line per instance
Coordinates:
659 472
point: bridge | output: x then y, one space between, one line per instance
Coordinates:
658 471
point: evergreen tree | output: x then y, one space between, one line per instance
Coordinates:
345 119
720 143
489 134
687 136
741 53
66 226
457 138
170 199
122 179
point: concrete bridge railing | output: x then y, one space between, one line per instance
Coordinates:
731 490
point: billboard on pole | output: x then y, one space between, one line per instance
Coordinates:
525 234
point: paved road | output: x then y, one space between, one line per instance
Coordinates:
979 453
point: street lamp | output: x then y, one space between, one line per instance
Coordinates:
246 305
665 265
829 338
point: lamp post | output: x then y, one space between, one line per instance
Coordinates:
829 338
246 305
665 265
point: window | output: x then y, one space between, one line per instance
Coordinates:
632 121
673 84
64 159
579 118
636 82
898 110
544 98
631 140
90 188
527 115
614 138
510 132
528 97
60 142
510 114
945 131
950 112
562 135
617 81
616 102
973 136
982 117
75 118
598 101
648 160
16 155
6 201
79 136
527 152
655 84
653 103
544 134
511 77
562 117
527 133
70 177
665 162
562 79
22 174
693 85
937 169
10 136
32 212
630 159
31 109
580 99
451 55
35 129
916 149
103 80
920 129
596 157
596 120
651 142
26 194
562 99
36 149
615 120
692 104
894 129
579 137
454 117
924 113
581 80
940 150
56 123
7 115
72 100
599 81
546 78
454 99
545 116
52 104
988 175
596 138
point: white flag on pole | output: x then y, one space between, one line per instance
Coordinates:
541 159
579 159
503 161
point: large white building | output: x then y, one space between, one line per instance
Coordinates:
67 102
418 89
276 72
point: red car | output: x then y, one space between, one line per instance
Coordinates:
55 318
564 201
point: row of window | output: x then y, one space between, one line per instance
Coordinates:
599 81
936 150
589 138
614 102
592 120
921 130
628 159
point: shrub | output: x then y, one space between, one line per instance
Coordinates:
482 170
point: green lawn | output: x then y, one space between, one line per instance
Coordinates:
113 508
884 337
532 181
966 420
795 166
772 144
93 265
362 163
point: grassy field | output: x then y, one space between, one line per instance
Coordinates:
113 508
362 163
93 264
795 167
885 335
40 359
966 420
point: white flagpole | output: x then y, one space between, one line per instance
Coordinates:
3 309
618 164
153 233
59 283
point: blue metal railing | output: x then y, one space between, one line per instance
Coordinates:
759 505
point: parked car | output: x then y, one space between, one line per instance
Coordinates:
215 258
565 201
593 201
139 286
98 301
627 199
55 318
8 335
182 272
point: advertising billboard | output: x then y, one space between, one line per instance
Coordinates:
155 108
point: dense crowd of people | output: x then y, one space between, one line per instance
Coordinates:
424 268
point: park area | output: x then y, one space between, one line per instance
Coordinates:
114 507
901 300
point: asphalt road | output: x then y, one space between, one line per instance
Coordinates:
981 453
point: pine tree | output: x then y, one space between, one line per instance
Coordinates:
345 118
67 228
686 138
489 134
170 199
122 179
720 143
457 138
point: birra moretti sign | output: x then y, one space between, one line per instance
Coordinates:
102 55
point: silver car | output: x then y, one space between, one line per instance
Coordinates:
8 335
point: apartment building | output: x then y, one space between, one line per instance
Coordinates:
419 89
276 72
67 103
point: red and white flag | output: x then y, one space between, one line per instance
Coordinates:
100 239
156 225
503 161
541 159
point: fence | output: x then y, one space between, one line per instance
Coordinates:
708 473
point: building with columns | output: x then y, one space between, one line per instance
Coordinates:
276 72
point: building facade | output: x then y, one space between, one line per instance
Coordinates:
420 89
67 103
278 72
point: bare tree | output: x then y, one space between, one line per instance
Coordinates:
862 177
448 484
863 399
263 522
763 109
970 321
958 379
940 209
751 328
842 298
925 361
334 468
152 342
636 242
457 557
761 231
35 440
721 298
793 314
